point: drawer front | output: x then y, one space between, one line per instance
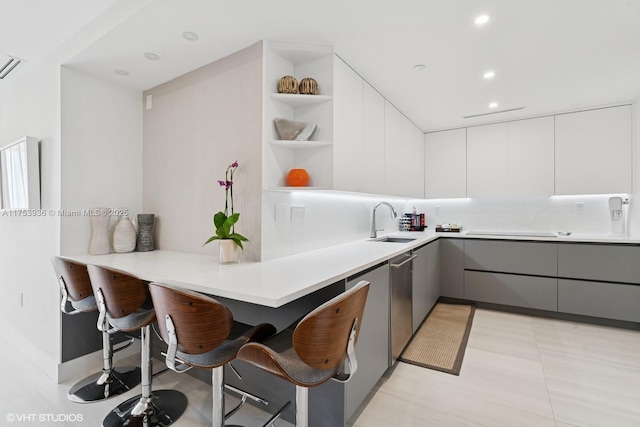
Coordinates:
599 262
598 299
511 257
509 289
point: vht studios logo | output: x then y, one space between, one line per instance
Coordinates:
45 418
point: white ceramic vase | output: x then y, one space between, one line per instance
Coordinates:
124 236
99 244
228 251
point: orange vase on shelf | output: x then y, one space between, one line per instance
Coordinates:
297 178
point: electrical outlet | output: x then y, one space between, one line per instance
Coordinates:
21 299
579 208
438 210
281 212
297 214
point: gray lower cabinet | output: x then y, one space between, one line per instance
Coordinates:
533 258
599 299
433 274
451 252
600 281
609 263
419 287
512 273
512 289
426 286
372 349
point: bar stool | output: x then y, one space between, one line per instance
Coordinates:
200 332
314 351
124 305
76 292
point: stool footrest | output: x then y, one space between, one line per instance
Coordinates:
122 347
271 421
103 385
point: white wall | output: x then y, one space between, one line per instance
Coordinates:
552 214
331 218
199 124
30 104
27 244
101 152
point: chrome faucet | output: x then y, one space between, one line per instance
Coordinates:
374 231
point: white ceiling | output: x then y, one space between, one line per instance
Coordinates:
548 55
29 29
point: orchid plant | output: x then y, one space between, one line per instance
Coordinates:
223 222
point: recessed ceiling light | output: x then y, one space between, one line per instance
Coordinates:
121 72
419 67
188 35
151 56
482 19
489 75
493 105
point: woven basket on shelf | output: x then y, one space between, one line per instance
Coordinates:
308 86
288 84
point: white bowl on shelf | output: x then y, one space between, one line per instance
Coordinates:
290 130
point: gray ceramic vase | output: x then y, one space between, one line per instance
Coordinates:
145 242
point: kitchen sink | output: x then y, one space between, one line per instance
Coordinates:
394 239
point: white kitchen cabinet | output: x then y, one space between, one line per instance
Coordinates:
593 151
530 157
511 159
412 167
403 171
373 144
445 164
487 171
393 149
413 171
349 168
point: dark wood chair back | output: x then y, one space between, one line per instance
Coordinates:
321 337
123 293
201 322
75 277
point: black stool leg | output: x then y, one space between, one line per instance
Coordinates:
160 408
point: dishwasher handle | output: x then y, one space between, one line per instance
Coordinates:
411 258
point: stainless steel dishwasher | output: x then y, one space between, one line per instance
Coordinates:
401 312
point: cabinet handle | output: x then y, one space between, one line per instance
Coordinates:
411 258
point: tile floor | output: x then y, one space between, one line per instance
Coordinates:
518 371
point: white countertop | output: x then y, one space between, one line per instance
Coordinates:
270 283
277 282
523 235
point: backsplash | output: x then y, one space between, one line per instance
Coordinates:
549 214
332 218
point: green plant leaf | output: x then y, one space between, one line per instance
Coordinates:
211 239
238 236
219 219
